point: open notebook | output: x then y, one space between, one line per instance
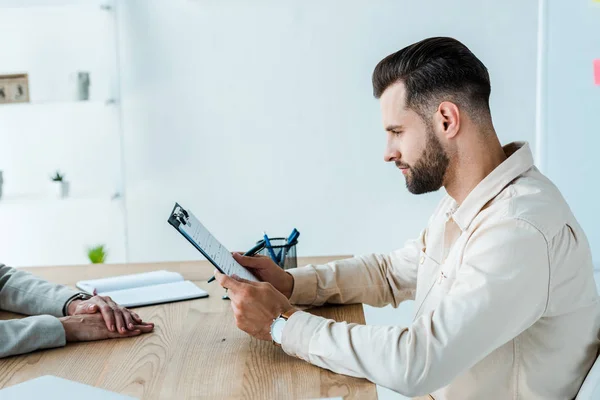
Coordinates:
144 289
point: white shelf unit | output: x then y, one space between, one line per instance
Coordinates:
54 131
15 4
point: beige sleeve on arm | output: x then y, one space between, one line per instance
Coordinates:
372 279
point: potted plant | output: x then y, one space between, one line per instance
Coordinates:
61 185
97 254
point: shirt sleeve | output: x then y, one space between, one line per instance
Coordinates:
19 336
373 279
24 293
500 289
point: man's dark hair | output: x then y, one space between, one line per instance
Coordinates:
435 70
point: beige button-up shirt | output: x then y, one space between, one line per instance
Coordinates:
506 304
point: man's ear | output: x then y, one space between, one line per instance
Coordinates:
448 119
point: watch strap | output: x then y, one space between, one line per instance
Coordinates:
77 296
288 313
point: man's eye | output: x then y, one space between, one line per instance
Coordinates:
397 133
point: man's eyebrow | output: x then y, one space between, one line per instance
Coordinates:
394 128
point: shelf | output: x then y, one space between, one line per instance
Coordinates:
74 103
47 200
23 4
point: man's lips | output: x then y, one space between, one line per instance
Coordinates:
403 168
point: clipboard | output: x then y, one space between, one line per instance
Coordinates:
192 229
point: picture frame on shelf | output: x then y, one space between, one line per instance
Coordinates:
14 88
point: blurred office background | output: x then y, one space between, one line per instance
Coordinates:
258 115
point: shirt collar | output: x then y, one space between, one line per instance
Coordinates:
518 162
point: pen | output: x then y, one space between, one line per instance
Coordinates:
293 236
269 247
252 252
258 247
283 255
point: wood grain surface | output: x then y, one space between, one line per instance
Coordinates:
195 352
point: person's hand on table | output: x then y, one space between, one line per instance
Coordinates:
265 269
88 327
255 304
117 318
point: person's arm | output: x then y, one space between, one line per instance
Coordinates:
372 279
23 293
500 289
20 336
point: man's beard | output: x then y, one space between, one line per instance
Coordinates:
427 175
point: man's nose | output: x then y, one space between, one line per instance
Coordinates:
391 153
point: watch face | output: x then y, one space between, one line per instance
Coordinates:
277 330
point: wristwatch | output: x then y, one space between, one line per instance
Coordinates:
278 325
78 296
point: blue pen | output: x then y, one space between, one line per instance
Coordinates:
280 256
290 241
293 236
268 243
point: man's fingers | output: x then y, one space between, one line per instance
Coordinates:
247 261
120 320
144 328
129 321
108 315
118 313
137 330
86 307
136 317
226 282
237 278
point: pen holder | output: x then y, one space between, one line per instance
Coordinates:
284 252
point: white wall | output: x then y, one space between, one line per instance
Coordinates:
259 115
51 41
572 139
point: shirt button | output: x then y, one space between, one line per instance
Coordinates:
422 260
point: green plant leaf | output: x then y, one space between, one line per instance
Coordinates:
97 254
58 177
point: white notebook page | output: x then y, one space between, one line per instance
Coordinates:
156 294
129 281
195 231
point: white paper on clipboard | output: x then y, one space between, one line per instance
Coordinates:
197 234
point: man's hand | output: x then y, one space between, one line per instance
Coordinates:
255 304
84 328
267 271
114 315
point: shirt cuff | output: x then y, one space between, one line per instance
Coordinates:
298 332
61 299
65 310
305 285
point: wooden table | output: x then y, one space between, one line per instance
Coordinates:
195 352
